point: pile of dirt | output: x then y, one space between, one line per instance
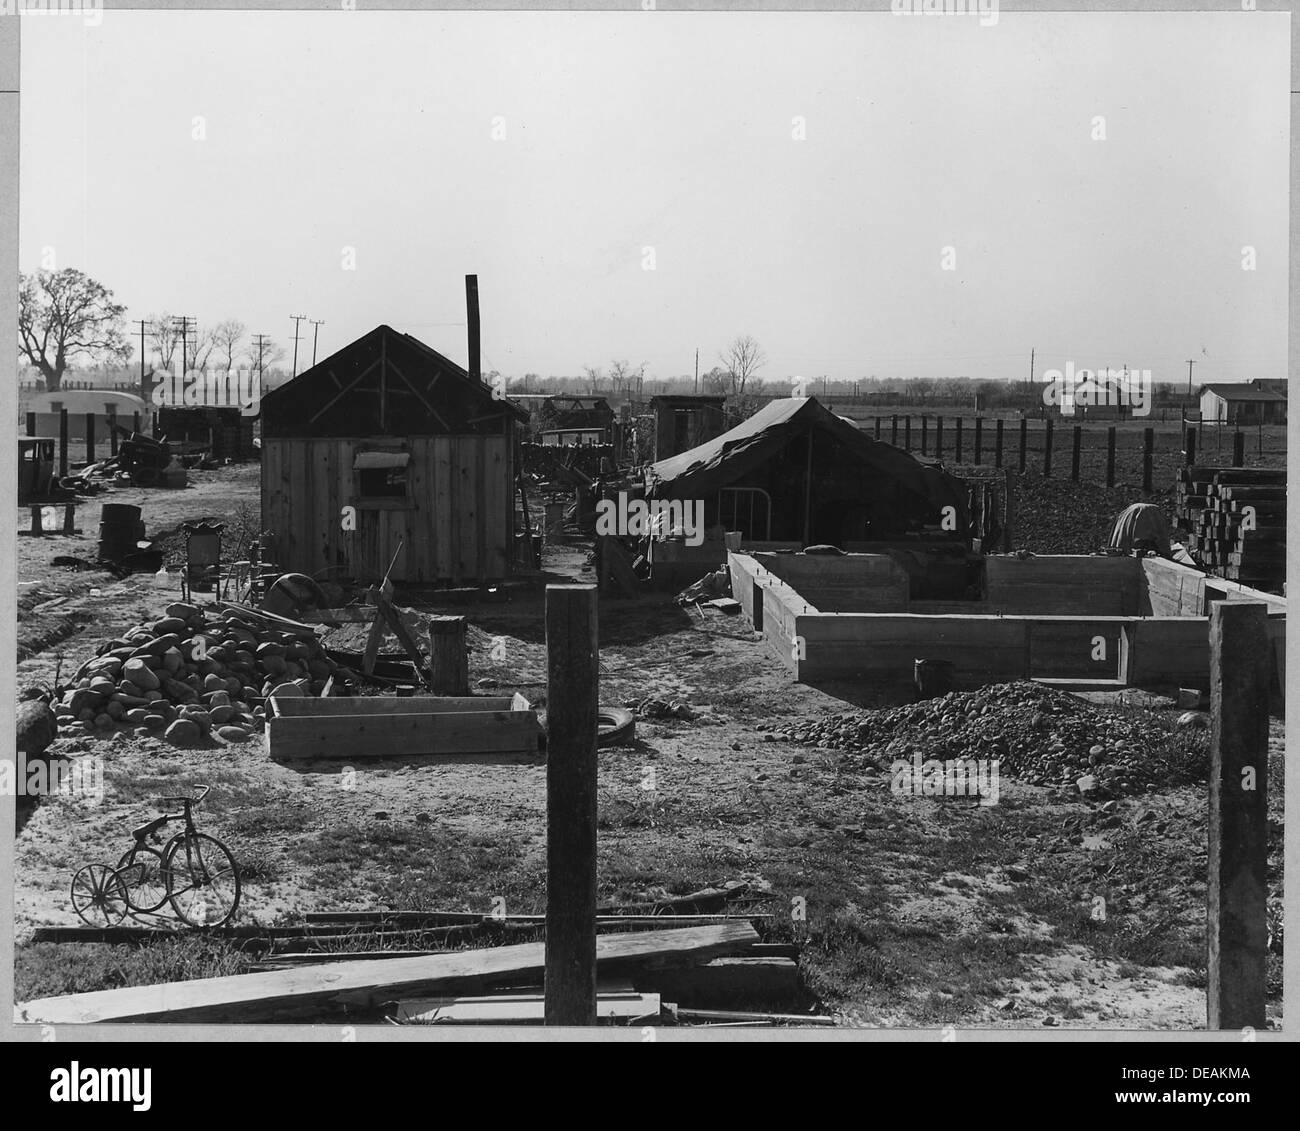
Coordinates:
191 674
1056 516
1038 735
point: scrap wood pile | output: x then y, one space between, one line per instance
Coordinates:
1213 504
1037 734
650 957
194 672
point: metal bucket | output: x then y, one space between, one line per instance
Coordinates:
120 529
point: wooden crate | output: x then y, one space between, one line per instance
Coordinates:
374 726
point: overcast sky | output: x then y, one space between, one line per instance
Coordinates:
676 132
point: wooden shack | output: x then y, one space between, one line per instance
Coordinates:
386 451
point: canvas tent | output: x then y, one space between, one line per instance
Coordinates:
796 471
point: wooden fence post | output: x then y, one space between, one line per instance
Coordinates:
90 437
877 428
907 433
938 436
1236 888
1009 506
893 430
448 661
31 424
957 440
997 443
1189 446
1024 442
63 442
135 422
1239 448
925 433
571 723
979 438
1110 456
1148 457
112 435
1047 450
1075 445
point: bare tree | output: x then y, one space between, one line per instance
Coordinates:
268 355
166 339
199 348
742 358
66 314
625 376
593 376
716 380
226 337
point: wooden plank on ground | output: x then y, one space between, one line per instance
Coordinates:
393 705
286 993
514 1010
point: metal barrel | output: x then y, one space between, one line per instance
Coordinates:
120 529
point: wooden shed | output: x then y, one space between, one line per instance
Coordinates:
387 443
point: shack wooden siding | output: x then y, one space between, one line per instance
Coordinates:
453 529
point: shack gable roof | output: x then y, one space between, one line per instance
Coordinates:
1243 393
724 459
385 384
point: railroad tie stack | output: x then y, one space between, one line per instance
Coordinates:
1236 519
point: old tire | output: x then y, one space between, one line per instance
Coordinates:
615 726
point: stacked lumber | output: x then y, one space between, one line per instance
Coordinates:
1211 506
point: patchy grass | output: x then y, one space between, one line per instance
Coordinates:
53 969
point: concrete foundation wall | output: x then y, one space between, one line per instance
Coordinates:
1064 585
855 583
1118 650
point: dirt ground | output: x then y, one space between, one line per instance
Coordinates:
924 911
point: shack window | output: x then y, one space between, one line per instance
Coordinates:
381 475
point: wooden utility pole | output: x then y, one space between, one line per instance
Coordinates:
1148 457
317 323
1236 888
144 393
1190 363
997 443
572 681
472 328
298 319
1110 456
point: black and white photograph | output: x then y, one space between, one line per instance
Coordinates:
727 524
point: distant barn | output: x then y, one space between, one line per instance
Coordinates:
422 453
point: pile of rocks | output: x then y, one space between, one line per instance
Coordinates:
191 674
1038 735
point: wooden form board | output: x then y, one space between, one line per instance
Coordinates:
456 524
383 726
288 993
